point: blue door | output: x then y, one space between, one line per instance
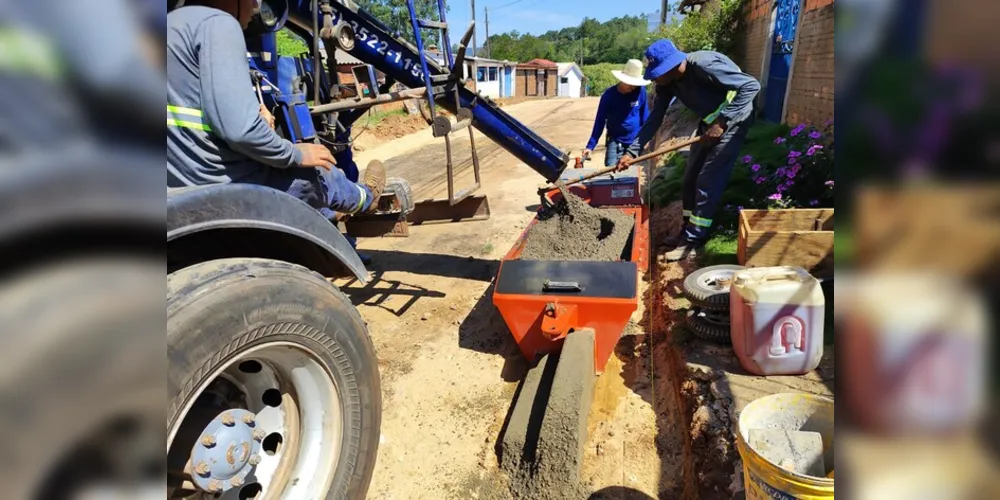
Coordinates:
785 24
508 80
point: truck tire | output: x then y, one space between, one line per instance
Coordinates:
270 360
82 337
708 287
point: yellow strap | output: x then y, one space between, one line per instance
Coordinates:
729 98
700 221
184 111
361 199
687 213
188 124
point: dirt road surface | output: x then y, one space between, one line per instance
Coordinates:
448 363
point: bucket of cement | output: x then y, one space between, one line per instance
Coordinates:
786 443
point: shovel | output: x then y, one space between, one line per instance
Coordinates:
546 191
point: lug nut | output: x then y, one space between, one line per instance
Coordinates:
248 419
214 486
228 419
236 482
208 440
201 469
258 435
254 460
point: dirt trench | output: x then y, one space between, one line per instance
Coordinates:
710 456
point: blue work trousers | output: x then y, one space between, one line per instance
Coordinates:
706 176
328 191
345 158
615 151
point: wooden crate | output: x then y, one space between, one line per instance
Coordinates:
792 237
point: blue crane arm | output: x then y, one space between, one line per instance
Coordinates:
375 45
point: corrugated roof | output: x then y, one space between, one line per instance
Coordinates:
539 63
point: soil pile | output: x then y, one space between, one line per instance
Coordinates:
573 230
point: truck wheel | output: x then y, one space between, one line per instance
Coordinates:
273 384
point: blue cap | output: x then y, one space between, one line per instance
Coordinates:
661 57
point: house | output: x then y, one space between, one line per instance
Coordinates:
494 78
570 80
537 78
489 77
788 47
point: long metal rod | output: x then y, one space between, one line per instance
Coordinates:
346 104
316 62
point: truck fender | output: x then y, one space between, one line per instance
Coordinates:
246 220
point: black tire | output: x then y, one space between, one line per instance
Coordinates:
82 337
219 309
715 298
709 325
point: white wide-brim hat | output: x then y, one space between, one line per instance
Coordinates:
631 74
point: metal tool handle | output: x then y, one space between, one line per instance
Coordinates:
561 286
672 147
667 149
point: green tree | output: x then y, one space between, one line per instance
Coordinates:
395 15
613 41
289 44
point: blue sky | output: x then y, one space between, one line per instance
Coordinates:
538 16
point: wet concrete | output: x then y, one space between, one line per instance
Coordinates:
573 230
542 449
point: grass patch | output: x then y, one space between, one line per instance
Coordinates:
719 249
373 117
487 248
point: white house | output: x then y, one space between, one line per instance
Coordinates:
491 77
570 80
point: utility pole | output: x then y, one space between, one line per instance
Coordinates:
474 29
664 5
489 53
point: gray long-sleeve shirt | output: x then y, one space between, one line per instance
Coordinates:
208 73
712 86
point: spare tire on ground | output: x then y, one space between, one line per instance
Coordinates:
709 325
708 287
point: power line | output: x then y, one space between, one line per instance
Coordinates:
507 4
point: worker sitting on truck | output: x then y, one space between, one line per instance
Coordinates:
722 95
622 111
216 131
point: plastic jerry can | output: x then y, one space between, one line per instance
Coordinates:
776 320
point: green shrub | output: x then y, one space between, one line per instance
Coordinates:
715 28
599 77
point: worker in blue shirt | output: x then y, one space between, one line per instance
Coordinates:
622 112
721 94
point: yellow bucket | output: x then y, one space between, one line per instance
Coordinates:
798 412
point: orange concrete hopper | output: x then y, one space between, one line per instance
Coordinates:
544 301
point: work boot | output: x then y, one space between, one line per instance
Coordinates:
374 180
675 240
686 250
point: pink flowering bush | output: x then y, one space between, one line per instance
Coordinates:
778 167
794 171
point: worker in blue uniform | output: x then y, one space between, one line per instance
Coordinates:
622 112
216 129
721 94
346 164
